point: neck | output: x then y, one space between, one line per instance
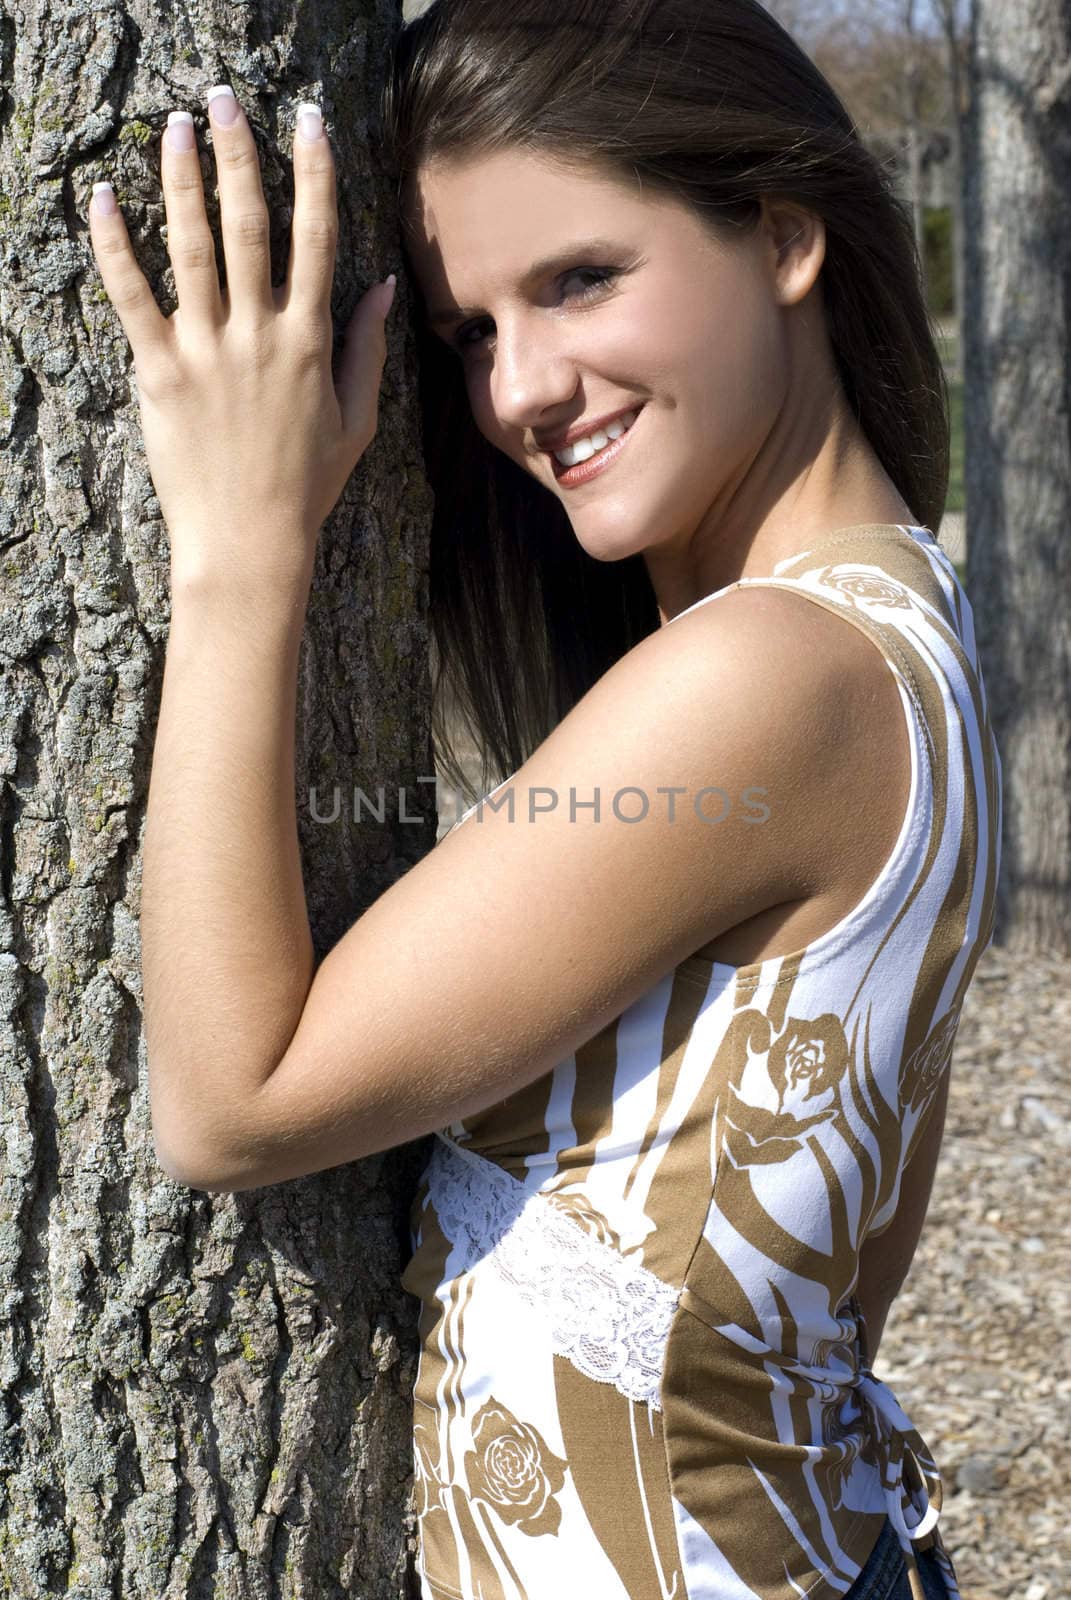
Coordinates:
815 473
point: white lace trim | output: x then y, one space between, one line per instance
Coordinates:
608 1316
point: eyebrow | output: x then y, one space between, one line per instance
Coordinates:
567 256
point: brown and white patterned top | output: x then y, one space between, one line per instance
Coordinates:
644 1372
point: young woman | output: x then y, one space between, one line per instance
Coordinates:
679 997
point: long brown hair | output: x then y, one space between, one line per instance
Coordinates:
713 103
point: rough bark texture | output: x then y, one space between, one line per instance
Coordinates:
949 17
1018 411
201 1395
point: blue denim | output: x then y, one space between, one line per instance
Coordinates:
884 1577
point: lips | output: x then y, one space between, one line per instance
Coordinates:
601 461
584 430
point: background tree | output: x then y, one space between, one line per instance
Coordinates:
899 67
1018 309
202 1395
952 17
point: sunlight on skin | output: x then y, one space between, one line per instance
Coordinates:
746 446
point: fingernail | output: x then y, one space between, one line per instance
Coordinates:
310 122
180 130
392 282
222 105
103 201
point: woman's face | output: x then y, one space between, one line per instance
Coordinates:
569 298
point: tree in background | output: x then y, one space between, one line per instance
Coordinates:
953 16
203 1395
1018 347
899 67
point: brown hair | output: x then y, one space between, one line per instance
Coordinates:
713 103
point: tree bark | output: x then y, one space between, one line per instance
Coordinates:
949 17
1018 470
203 1396
913 111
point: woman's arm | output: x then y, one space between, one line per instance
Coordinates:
250 438
227 955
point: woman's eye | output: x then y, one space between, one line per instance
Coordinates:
600 275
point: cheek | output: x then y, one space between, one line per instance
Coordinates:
740 370
478 389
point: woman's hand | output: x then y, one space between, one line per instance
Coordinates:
250 439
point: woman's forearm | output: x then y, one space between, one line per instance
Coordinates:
227 955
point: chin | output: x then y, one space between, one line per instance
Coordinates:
611 548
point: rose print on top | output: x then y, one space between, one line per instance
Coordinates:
808 1060
787 1090
867 586
513 1471
802 1070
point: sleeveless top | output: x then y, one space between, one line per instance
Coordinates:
643 1370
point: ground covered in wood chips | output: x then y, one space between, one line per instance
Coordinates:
977 1344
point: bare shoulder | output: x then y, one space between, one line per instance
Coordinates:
808 677
842 727
745 735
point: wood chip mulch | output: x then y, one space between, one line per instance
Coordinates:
977 1343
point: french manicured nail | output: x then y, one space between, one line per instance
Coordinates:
310 122
180 130
104 202
222 105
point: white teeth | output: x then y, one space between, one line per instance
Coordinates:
584 449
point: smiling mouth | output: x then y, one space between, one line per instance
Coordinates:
582 471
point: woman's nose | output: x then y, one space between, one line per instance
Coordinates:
530 373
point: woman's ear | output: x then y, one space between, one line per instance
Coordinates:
797 245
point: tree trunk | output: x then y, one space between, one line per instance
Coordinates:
956 190
949 18
1018 270
203 1396
913 110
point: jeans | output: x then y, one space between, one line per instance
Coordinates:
884 1577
